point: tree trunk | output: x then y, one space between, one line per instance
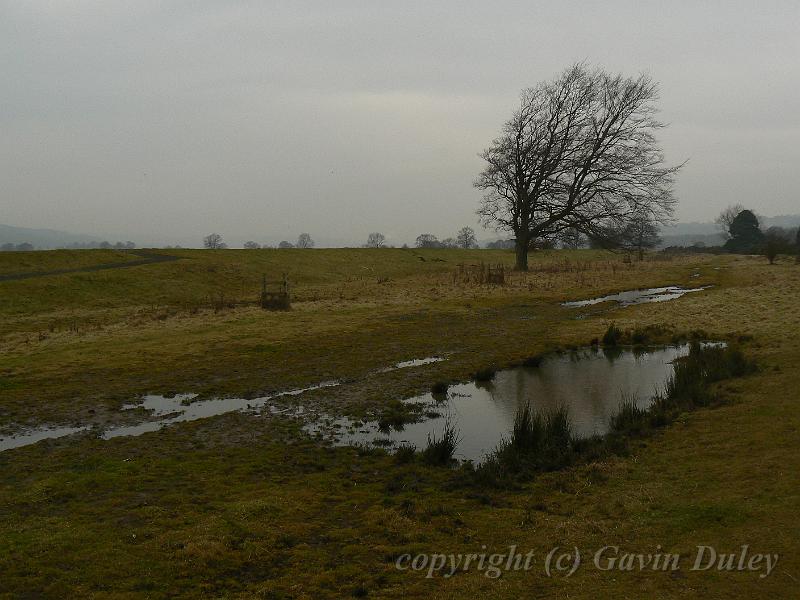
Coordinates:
521 248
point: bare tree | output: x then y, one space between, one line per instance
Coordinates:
213 241
726 217
465 238
284 244
375 240
304 241
428 240
572 239
771 249
641 234
252 245
778 240
782 233
580 153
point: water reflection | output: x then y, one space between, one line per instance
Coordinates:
589 383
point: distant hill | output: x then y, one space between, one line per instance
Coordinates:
42 238
787 221
693 228
691 239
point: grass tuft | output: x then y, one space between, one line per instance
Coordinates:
440 388
630 417
405 453
528 430
533 361
395 415
612 336
537 443
440 451
485 374
705 365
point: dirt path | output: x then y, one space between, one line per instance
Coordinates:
148 258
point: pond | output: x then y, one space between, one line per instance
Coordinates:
589 383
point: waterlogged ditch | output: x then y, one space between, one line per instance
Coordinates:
632 297
166 411
490 407
591 384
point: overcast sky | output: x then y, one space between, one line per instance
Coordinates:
165 120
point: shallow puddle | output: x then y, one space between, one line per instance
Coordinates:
181 408
165 411
37 435
590 383
660 294
417 362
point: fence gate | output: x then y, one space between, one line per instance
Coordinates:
275 294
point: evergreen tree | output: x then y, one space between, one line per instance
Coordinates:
746 237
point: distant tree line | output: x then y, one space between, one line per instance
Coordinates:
464 239
26 246
23 247
501 245
637 233
214 241
304 240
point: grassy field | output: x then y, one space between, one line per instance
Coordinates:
243 506
12 263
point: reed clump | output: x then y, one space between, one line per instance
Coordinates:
440 450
